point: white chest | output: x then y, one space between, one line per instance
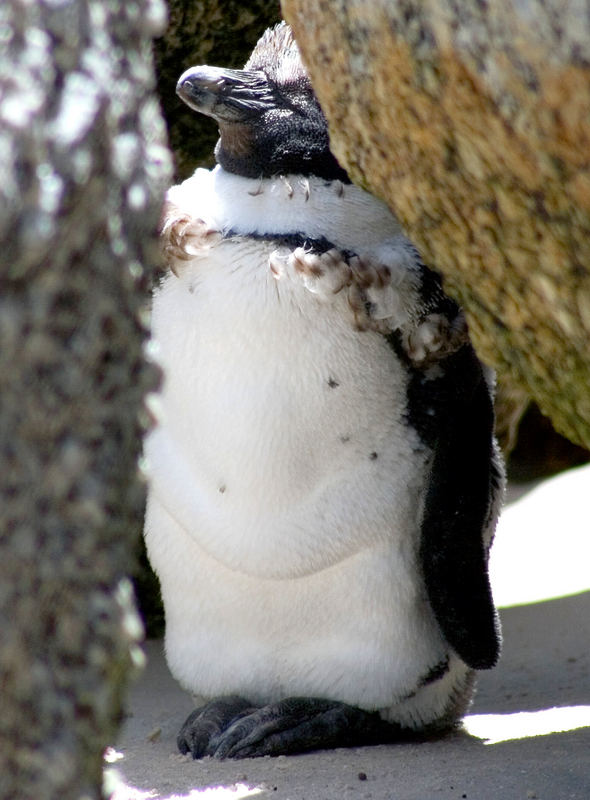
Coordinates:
280 413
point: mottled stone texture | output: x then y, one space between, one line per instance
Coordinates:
83 166
216 32
472 120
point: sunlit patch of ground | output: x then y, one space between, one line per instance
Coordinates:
542 545
117 789
496 728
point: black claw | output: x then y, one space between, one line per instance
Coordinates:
182 746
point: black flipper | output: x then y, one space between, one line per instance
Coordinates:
452 551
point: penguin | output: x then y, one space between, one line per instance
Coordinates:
324 480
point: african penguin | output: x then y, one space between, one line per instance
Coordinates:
324 481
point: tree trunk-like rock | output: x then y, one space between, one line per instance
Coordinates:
472 121
216 32
84 167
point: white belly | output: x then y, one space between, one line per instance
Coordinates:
277 471
285 493
360 631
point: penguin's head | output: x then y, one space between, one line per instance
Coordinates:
270 121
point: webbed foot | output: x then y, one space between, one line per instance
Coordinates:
230 728
435 338
204 724
184 237
323 273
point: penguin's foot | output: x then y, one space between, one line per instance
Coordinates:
184 237
374 301
205 724
435 338
370 294
322 273
230 728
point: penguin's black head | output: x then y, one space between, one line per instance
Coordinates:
270 121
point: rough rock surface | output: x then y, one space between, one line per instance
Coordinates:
217 32
472 120
84 166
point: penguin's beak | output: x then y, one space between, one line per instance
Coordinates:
227 95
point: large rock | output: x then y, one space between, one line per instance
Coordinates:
84 168
472 120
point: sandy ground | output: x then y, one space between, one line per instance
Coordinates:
527 734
